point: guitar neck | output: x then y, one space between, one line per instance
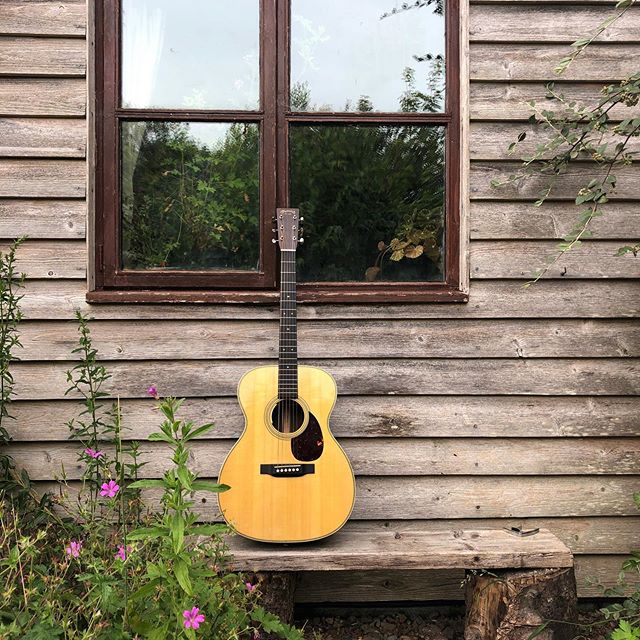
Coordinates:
288 349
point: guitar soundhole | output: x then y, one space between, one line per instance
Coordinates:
287 416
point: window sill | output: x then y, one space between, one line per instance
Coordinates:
306 294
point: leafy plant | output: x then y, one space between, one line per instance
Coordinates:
578 133
106 570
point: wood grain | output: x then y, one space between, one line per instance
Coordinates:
43 97
373 417
353 551
40 138
529 23
523 221
210 339
401 586
491 140
43 18
601 535
42 178
499 101
48 259
543 376
488 299
42 56
370 457
48 219
513 259
453 497
508 62
565 187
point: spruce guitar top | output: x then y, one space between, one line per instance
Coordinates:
290 480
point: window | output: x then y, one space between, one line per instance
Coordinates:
211 114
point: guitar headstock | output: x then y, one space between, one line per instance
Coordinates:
288 230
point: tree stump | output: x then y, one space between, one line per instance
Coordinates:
278 590
511 604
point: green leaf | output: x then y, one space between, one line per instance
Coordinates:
148 532
184 477
199 431
146 591
208 529
177 532
205 485
181 572
160 437
147 484
538 630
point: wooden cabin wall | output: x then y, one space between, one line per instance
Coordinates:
518 408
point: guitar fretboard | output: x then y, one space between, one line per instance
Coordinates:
288 351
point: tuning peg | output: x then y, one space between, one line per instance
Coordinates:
274 230
301 219
273 240
301 241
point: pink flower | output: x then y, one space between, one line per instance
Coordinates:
109 489
256 635
122 553
74 548
193 618
250 587
93 453
153 392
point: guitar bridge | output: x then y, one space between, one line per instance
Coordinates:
287 470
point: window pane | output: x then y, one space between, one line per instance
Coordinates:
373 201
190 195
191 54
364 55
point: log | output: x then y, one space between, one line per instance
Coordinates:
277 591
512 604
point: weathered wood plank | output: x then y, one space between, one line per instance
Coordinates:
31 138
554 220
528 23
42 178
42 218
42 56
599 62
372 417
45 17
210 339
383 457
556 377
46 259
497 101
400 586
513 259
489 259
453 497
488 299
602 535
565 186
44 97
491 140
353 551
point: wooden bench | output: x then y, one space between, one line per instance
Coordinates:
514 582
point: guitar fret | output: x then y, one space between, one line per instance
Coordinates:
288 348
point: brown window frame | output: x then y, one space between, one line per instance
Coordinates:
111 283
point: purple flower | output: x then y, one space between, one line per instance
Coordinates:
109 489
122 553
193 618
153 392
250 587
256 635
74 548
93 453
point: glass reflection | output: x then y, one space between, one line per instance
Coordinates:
373 201
367 55
190 195
192 54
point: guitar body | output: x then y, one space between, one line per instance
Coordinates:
290 480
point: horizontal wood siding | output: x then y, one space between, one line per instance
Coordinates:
520 408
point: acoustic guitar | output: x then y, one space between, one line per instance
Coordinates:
290 480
